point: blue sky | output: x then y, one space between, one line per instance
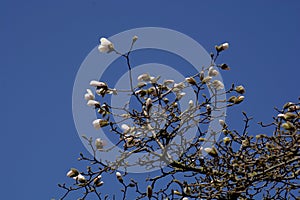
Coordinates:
44 42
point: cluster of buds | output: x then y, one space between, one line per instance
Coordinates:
99 144
290 115
97 181
74 173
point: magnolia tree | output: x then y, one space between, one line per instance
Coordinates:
212 164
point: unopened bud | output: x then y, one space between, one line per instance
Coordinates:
72 173
222 47
240 89
119 177
149 191
222 122
239 99
224 66
134 39
288 126
80 178
232 99
226 140
288 104
212 72
191 80
211 151
98 123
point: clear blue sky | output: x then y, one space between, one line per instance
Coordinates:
44 42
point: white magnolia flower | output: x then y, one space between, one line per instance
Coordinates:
225 46
80 178
212 72
98 123
144 77
105 46
218 85
89 95
93 103
98 84
99 144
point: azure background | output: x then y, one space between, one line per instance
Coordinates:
44 42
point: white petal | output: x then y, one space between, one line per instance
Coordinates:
93 103
97 83
105 42
96 124
103 49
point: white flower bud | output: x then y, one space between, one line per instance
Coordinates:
226 140
134 38
191 80
93 103
125 116
191 103
98 123
211 151
218 85
119 177
240 89
72 173
89 95
105 46
212 72
80 178
222 122
99 144
206 79
148 102
225 46
98 84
